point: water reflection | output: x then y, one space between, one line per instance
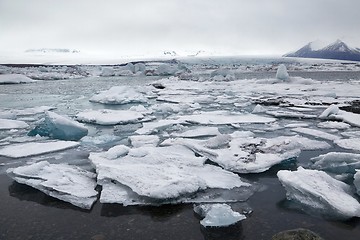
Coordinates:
27 193
233 232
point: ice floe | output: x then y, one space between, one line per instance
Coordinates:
333 125
62 181
161 173
109 117
333 112
35 148
218 215
7 124
119 95
223 117
14 79
320 192
198 132
350 143
337 162
316 133
142 140
357 181
59 127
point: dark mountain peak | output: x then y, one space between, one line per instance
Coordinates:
337 50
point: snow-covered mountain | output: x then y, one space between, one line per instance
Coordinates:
337 50
52 50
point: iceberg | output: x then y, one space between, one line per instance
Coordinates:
65 182
334 113
160 173
320 192
337 162
109 117
282 73
15 79
7 124
119 95
218 215
59 127
35 148
350 143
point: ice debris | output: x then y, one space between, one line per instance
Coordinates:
59 127
119 95
218 215
316 133
35 148
320 193
7 124
109 117
62 181
282 73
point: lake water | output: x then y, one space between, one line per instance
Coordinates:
26 213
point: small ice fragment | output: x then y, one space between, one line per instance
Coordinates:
109 117
350 143
218 215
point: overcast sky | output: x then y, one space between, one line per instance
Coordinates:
135 26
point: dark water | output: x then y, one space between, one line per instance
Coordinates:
26 213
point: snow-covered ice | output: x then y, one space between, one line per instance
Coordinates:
7 124
198 132
316 133
109 117
218 215
35 148
161 172
333 112
333 125
320 192
350 143
142 140
119 95
14 79
66 182
59 127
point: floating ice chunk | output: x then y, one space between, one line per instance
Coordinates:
116 152
351 143
142 140
162 172
59 127
258 109
198 132
100 140
139 67
32 111
166 70
333 125
7 124
119 95
337 162
109 117
153 127
290 114
316 133
218 215
35 148
357 181
333 112
107 72
14 79
223 117
282 73
65 182
320 192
